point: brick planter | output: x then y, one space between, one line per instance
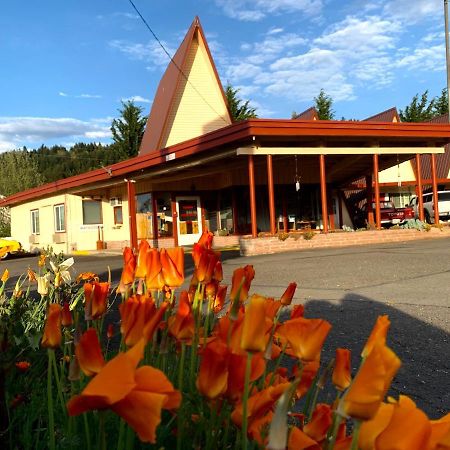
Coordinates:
271 244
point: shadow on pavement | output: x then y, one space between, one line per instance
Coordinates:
423 348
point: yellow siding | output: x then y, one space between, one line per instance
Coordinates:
391 175
77 236
193 114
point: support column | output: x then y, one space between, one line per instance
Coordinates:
131 193
419 187
173 205
377 192
285 216
369 199
251 185
341 219
272 219
435 188
323 193
155 220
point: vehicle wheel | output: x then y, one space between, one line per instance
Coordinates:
427 217
4 256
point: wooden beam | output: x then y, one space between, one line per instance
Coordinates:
323 193
258 151
435 189
271 194
131 193
377 192
251 185
419 188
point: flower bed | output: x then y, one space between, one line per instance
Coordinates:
202 368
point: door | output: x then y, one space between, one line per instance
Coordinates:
189 220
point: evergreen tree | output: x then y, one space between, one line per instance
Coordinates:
128 130
440 106
239 109
324 106
418 110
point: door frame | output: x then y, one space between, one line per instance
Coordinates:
189 239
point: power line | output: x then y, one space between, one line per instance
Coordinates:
174 63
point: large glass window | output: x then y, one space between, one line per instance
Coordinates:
60 218
35 221
92 212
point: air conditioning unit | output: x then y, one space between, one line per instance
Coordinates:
33 239
59 238
115 201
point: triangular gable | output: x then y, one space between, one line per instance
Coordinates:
188 102
390 115
309 114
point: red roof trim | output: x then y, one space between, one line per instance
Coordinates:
234 135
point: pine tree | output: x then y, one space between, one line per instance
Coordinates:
418 110
128 130
239 109
324 106
440 106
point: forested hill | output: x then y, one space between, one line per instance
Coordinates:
24 169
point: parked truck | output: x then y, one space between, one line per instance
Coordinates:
390 215
428 206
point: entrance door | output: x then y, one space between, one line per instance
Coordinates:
189 220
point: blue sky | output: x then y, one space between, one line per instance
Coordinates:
66 66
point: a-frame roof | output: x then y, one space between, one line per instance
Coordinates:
390 115
309 114
190 99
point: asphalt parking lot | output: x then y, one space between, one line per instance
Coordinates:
350 287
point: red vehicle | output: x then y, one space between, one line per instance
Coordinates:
390 215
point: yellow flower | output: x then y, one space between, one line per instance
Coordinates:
5 276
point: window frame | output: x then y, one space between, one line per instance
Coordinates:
36 230
55 207
91 200
115 209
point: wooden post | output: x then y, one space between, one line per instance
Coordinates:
330 205
323 193
419 187
341 219
173 205
435 189
285 216
155 220
377 192
251 185
369 199
131 192
271 195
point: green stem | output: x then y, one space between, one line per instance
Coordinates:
51 419
180 388
336 422
355 437
248 369
86 431
58 384
121 430
102 435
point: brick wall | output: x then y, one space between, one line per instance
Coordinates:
266 245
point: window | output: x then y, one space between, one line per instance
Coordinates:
35 221
92 212
60 218
118 216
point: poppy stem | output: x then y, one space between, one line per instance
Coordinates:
51 418
356 428
58 384
180 388
336 422
248 368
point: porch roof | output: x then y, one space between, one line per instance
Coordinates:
267 132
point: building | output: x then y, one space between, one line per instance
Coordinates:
198 170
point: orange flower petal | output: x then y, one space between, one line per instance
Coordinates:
298 440
89 353
172 266
370 429
286 298
377 335
341 377
52 331
141 269
320 422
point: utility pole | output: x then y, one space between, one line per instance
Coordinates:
447 54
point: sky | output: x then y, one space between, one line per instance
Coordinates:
65 67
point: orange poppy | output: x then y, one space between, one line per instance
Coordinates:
182 324
52 336
206 239
272 308
365 394
129 267
211 289
204 270
137 395
212 379
305 337
378 334
440 433
89 353
220 298
254 328
298 440
297 311
242 278
218 271
286 298
141 267
96 296
5 276
342 377
23 366
154 279
66 316
320 422
172 266
309 372
87 276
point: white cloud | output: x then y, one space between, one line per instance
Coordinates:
136 99
62 94
425 58
413 11
275 31
255 10
88 96
151 53
18 131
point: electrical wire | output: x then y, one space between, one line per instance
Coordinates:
174 63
